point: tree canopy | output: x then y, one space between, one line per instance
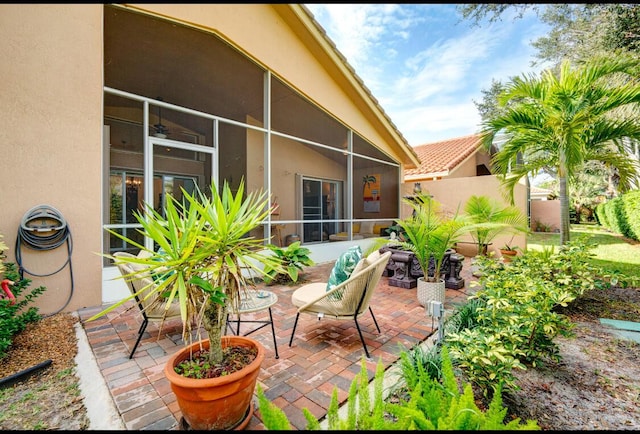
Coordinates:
563 119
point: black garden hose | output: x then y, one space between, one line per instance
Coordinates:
44 228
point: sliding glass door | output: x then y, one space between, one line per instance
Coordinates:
320 206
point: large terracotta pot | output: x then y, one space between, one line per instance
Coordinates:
430 291
216 403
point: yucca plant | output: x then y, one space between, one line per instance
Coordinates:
205 256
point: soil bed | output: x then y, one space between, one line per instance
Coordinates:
596 385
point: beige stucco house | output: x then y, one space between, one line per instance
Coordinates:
455 169
106 107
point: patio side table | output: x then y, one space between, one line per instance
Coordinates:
255 301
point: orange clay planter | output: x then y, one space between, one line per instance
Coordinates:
507 255
216 403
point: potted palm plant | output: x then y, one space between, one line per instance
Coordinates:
206 258
430 235
488 218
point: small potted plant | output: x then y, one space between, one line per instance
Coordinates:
430 235
508 251
488 218
293 259
207 258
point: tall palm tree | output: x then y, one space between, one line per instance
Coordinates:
563 120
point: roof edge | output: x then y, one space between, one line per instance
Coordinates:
306 17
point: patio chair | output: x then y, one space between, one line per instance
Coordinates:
151 308
346 301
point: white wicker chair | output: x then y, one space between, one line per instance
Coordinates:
347 301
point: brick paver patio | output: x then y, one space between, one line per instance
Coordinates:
324 354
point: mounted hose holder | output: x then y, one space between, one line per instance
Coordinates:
42 229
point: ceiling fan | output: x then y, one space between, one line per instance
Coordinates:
161 131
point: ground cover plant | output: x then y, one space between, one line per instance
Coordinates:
427 402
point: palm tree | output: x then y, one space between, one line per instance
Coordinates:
561 121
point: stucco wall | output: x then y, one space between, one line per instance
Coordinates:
468 168
453 193
546 212
51 138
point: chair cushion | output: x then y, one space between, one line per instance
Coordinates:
343 236
377 228
366 227
307 293
373 257
344 266
366 261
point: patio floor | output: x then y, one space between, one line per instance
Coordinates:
324 354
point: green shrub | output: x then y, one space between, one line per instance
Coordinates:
631 203
610 211
516 320
621 215
622 223
601 215
14 318
294 258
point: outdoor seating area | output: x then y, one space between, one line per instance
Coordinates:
324 355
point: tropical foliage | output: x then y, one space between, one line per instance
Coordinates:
429 233
565 120
490 218
293 259
205 256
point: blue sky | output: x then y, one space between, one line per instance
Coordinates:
424 65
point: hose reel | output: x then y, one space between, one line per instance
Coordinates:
43 228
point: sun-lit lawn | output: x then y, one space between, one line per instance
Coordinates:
611 252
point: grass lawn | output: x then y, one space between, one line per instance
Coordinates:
611 251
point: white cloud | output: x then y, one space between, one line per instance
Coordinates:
432 123
425 70
355 29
